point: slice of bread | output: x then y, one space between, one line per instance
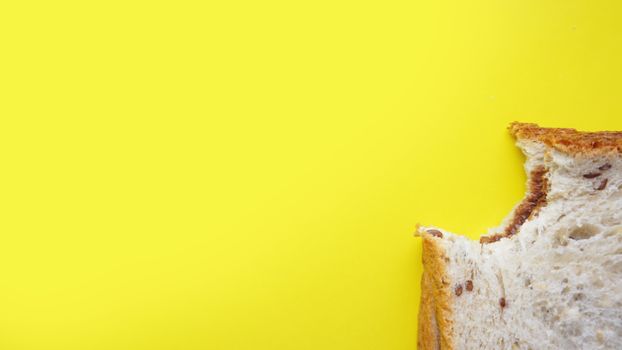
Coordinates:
550 277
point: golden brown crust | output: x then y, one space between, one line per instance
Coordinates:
570 140
428 337
435 315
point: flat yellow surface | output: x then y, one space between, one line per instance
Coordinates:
247 175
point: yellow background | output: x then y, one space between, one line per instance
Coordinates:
247 175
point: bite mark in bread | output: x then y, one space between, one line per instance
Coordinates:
527 208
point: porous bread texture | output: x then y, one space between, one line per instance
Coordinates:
556 283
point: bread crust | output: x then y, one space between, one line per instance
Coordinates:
435 311
570 140
428 336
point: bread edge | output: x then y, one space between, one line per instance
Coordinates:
569 140
435 310
529 207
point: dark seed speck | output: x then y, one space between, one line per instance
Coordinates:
469 285
459 290
436 233
604 167
602 185
591 175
